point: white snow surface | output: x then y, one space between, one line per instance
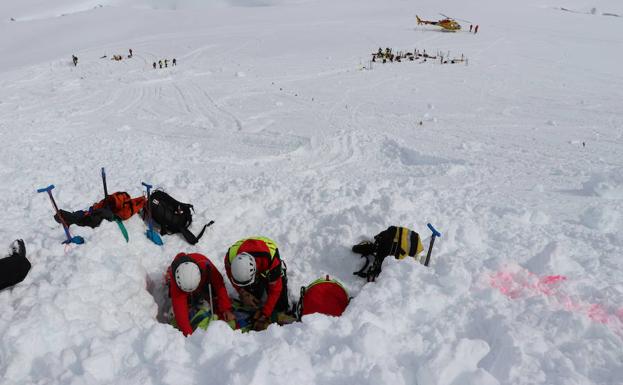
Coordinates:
273 124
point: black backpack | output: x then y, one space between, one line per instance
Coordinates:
173 216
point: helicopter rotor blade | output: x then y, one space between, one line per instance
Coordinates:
453 18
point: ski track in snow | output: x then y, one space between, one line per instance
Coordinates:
269 126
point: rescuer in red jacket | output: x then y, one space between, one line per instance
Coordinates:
254 268
193 278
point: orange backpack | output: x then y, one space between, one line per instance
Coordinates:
121 204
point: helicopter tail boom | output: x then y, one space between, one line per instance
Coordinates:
420 21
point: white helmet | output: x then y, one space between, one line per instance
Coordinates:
187 276
243 269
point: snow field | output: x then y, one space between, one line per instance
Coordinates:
269 126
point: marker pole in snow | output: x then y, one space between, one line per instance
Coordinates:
150 233
104 182
432 242
77 239
121 226
213 315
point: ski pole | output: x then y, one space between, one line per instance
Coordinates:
432 242
150 233
77 239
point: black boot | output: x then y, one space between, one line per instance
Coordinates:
69 217
364 248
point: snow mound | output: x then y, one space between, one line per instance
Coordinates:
600 218
606 185
411 157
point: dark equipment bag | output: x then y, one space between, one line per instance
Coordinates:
173 216
15 267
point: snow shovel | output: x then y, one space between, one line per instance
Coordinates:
150 233
77 239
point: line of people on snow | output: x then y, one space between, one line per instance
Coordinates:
74 58
388 55
165 62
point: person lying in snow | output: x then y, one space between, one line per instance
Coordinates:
195 283
255 269
400 242
15 267
117 205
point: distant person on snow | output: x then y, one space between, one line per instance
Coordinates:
166 62
471 27
14 267
255 268
174 63
160 63
74 58
192 278
130 55
154 65
476 29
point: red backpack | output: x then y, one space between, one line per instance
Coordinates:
325 296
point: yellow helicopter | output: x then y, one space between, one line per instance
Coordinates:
448 24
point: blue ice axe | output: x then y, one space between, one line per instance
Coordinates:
150 233
77 239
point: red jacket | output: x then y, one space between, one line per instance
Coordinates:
264 265
209 276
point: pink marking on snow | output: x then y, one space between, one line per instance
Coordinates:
505 282
549 279
524 283
597 313
544 285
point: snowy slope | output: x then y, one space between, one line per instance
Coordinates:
270 125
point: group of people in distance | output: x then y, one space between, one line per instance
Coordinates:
74 58
165 62
254 268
